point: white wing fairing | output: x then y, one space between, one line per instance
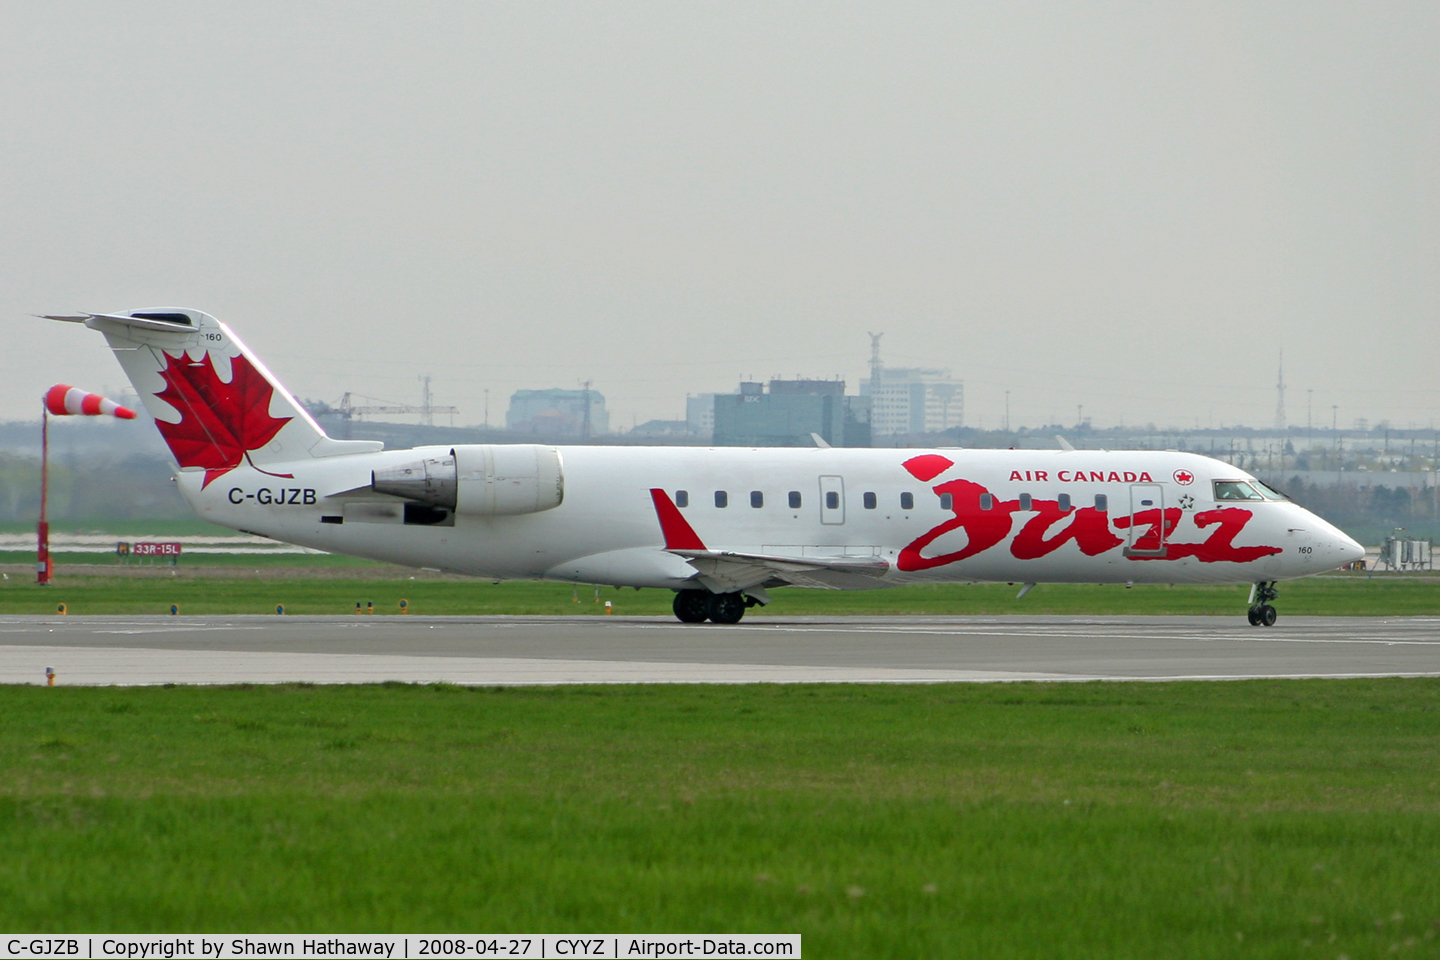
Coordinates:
721 526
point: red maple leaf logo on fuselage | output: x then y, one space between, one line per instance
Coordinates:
220 423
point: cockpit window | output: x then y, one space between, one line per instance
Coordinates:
1270 492
1235 490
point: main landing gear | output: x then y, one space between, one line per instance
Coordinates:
1261 614
697 606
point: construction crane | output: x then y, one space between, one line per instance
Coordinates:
426 409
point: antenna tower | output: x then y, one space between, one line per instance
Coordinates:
877 369
1280 395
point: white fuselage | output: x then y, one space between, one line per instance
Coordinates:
977 515
719 525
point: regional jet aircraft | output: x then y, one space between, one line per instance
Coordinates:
721 527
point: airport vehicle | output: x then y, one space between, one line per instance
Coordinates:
719 526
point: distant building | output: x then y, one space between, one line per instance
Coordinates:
789 413
914 400
700 416
558 413
661 428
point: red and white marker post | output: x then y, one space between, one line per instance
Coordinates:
64 400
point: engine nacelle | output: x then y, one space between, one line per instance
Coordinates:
508 479
429 481
481 480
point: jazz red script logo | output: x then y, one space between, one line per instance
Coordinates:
987 521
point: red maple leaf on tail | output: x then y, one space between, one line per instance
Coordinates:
219 422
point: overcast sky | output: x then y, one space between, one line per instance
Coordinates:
1129 207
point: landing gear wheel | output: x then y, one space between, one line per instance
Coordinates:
726 607
692 606
1261 614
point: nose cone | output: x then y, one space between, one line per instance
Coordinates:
1335 547
1349 550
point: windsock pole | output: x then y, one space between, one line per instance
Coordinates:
63 400
42 567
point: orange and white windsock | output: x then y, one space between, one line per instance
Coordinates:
63 399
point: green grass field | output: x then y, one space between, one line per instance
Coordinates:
1256 819
297 561
303 591
191 526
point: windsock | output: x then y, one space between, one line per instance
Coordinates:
63 399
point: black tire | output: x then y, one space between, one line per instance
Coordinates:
692 606
1268 615
1253 615
726 607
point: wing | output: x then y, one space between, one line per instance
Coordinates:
724 571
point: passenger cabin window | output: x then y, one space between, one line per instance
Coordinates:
682 498
757 499
907 501
722 499
1102 502
1064 503
794 499
832 500
1235 490
947 501
987 501
1025 501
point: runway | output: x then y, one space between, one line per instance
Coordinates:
548 650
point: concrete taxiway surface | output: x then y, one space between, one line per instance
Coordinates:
529 650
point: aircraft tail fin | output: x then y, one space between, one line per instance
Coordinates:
214 402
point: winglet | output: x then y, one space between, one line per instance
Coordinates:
1064 444
679 535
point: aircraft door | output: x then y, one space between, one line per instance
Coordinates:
832 500
1148 526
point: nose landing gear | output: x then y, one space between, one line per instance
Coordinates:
1261 613
697 606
